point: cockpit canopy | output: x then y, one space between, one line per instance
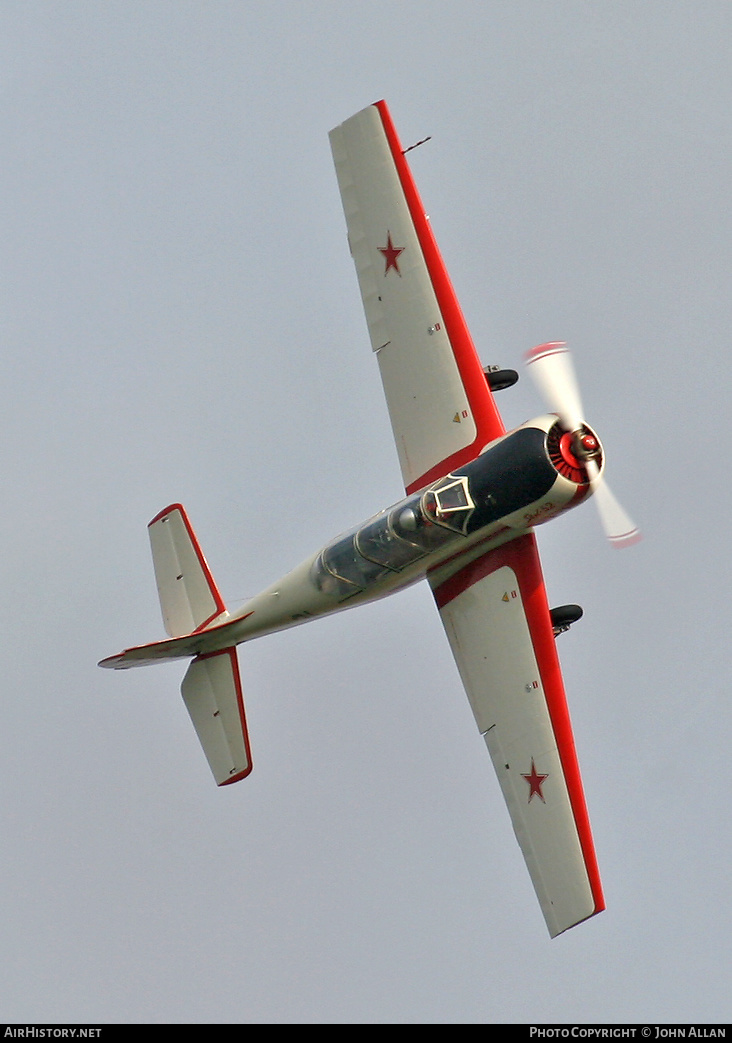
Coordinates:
393 539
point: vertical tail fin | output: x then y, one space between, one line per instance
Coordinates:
189 597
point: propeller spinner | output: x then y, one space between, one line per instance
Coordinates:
553 373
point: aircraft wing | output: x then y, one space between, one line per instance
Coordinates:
442 411
496 616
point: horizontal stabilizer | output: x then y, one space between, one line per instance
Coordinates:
212 693
189 598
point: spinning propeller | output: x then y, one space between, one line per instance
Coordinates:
553 373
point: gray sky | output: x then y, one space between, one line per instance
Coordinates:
181 322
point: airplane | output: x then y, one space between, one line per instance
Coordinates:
474 493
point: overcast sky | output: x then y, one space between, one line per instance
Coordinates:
181 323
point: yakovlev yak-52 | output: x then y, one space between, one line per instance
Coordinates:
474 494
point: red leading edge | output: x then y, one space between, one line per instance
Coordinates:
487 418
522 556
218 600
234 667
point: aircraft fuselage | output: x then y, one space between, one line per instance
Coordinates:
513 485
520 480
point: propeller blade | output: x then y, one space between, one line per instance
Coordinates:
618 527
553 373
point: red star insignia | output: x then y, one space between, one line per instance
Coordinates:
535 781
391 254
